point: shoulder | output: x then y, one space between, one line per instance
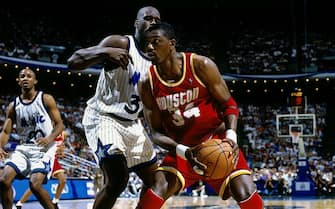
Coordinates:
119 41
11 110
144 83
206 69
202 62
11 106
48 99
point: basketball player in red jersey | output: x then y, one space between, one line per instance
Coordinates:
57 172
187 102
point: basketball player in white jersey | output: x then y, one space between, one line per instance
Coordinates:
112 127
38 123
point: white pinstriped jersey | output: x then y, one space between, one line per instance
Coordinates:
117 93
116 90
32 119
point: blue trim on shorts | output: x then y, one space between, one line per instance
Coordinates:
18 172
142 165
43 171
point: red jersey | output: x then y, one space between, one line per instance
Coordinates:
187 110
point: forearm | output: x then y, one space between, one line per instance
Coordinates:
85 58
5 133
3 139
229 115
231 121
164 142
56 131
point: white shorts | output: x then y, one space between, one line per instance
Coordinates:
28 159
107 136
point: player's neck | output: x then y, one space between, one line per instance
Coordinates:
172 69
139 40
28 94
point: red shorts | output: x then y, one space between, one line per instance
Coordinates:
191 177
57 168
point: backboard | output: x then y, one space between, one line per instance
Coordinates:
305 124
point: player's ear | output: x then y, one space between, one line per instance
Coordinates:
173 42
35 82
136 23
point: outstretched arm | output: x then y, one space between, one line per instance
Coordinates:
112 48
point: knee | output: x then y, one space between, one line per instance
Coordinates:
116 185
62 181
4 183
246 192
34 186
166 185
242 187
161 186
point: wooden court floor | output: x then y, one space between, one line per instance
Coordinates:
182 202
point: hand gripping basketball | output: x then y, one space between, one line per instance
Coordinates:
197 166
219 155
186 153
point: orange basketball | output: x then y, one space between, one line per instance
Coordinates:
218 155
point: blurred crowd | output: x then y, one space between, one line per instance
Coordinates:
273 159
254 51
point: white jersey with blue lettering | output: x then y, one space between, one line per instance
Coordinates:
32 122
32 119
116 90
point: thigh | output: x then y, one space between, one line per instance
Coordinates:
41 164
38 178
181 169
8 174
20 163
147 173
115 170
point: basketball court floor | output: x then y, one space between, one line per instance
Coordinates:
182 202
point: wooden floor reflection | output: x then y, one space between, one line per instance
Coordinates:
182 202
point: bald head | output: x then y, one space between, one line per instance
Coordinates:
145 11
145 17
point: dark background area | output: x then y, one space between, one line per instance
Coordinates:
84 23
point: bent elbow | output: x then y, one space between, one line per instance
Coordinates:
76 62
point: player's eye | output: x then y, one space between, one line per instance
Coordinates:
155 41
148 18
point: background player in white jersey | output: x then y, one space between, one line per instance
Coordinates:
38 123
111 122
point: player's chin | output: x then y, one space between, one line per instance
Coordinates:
153 60
151 56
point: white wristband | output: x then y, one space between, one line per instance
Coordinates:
180 150
231 134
